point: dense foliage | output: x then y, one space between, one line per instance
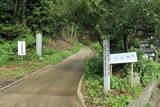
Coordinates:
51 17
127 21
8 51
124 21
121 93
12 67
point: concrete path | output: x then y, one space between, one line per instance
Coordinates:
53 87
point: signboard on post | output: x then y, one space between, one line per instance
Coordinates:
39 44
123 58
115 59
129 57
106 65
21 48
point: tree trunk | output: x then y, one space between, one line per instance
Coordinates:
15 10
125 42
72 31
100 40
112 46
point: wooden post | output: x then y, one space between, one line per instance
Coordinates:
111 69
132 84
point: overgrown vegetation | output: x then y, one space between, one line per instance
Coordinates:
122 21
121 93
13 68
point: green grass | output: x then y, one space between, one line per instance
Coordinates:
97 47
121 93
11 70
148 105
58 56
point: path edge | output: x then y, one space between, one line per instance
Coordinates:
79 94
21 79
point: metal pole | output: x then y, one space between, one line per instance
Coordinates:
106 65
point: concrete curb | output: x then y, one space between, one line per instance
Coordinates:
79 94
19 80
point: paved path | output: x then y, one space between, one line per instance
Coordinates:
53 87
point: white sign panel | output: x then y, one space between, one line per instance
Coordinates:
21 48
123 58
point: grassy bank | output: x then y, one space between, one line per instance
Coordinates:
13 68
121 93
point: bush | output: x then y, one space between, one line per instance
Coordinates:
97 47
29 38
148 70
121 93
11 31
48 51
94 65
7 53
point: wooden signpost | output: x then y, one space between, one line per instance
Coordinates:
118 58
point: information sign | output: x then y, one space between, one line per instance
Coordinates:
123 58
21 48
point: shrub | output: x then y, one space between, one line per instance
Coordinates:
94 65
97 47
11 31
121 93
7 53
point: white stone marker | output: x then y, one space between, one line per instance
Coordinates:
39 44
106 65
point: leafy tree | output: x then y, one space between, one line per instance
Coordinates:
127 20
123 22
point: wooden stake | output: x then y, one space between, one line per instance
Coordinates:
111 69
132 75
